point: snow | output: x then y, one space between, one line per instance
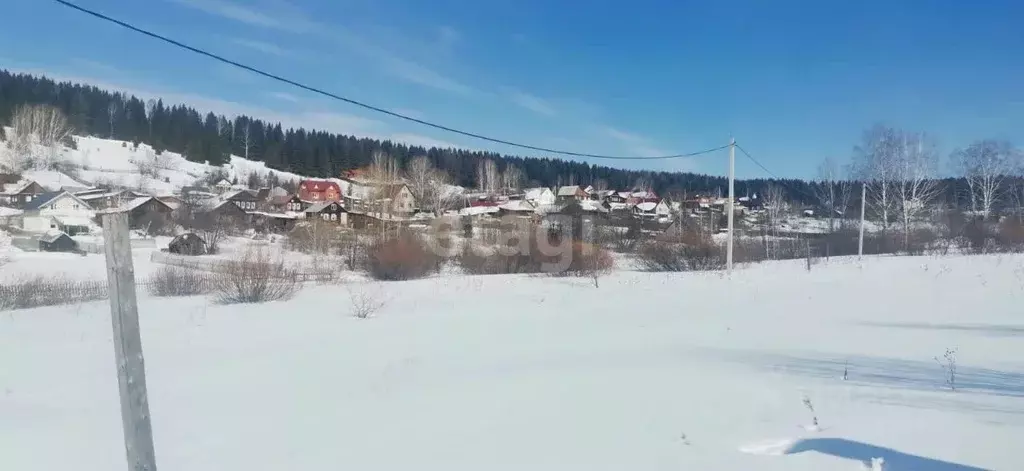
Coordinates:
5 211
111 162
478 210
53 180
646 206
649 372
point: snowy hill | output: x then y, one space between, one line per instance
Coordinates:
98 161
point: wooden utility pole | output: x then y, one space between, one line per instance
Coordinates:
131 371
729 206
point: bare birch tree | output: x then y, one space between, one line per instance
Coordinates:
150 112
488 179
246 133
914 183
774 202
875 162
512 179
985 165
430 185
833 191
37 133
383 174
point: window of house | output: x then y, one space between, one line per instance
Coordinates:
334 217
325 217
28 198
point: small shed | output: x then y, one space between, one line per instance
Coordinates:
187 244
57 241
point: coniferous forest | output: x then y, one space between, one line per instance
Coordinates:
204 136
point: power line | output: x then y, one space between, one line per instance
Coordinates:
364 105
777 178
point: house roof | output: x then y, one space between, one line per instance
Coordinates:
52 235
535 193
519 206
43 199
15 188
188 236
213 204
74 221
5 211
568 190
278 200
135 203
647 206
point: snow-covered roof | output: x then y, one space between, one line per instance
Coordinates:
316 208
15 188
5 211
477 210
96 196
535 193
74 221
568 190
51 236
288 215
593 206
647 206
518 205
136 202
53 180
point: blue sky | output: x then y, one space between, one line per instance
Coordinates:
793 81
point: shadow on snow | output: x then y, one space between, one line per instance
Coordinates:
992 330
863 452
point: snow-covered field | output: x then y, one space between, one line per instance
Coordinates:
649 372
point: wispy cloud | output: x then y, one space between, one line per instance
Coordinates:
282 16
261 46
532 103
448 36
246 14
284 96
634 143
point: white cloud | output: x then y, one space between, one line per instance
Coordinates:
421 140
632 142
532 103
280 16
284 96
283 17
261 46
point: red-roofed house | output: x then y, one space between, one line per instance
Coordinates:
319 190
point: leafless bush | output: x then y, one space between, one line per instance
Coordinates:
365 303
35 291
402 257
254 277
948 364
1011 235
315 237
323 270
176 281
591 261
696 254
37 131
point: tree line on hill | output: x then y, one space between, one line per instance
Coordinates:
212 138
895 164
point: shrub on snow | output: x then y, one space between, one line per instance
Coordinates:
401 257
254 277
175 281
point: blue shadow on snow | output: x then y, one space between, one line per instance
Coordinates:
863 452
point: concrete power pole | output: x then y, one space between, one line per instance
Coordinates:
863 203
732 200
131 372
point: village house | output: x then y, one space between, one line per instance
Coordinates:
317 190
147 212
58 210
217 212
244 199
568 193
652 210
19 192
330 211
288 204
278 223
54 240
521 208
172 201
102 198
540 196
187 244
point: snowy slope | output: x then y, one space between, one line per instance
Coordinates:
649 372
111 162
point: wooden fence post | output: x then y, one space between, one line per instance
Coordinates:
131 371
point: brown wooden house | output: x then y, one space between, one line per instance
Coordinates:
18 193
330 211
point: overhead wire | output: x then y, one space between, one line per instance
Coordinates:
361 104
773 174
